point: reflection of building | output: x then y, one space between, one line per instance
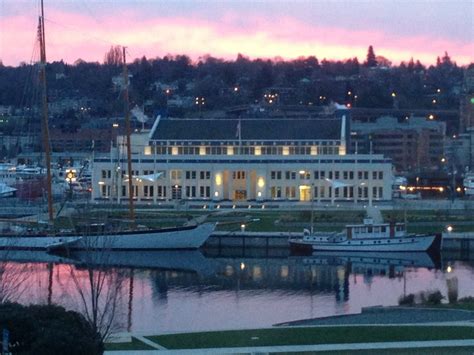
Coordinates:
245 160
413 143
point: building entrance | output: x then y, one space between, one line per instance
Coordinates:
240 195
305 193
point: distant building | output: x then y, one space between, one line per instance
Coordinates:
413 144
244 160
459 151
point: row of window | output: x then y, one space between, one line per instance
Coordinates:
289 192
242 150
322 174
150 191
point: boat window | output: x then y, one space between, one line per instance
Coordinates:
383 229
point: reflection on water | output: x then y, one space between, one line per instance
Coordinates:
156 292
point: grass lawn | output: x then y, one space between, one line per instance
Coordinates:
135 344
462 350
313 335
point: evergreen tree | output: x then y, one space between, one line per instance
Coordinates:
371 60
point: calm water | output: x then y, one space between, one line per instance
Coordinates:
158 292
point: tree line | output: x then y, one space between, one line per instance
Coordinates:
374 83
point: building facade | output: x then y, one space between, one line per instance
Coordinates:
413 144
243 160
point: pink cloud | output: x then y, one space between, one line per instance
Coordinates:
71 36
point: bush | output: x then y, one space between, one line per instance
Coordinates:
468 299
48 330
408 300
431 298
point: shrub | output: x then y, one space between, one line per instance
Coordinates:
407 300
468 299
432 298
48 330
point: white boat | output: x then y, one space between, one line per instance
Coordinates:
6 191
187 237
367 237
468 183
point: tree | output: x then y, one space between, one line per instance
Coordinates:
371 60
114 56
40 329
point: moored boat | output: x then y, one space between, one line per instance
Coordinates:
367 237
186 237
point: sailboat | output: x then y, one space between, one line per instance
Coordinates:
186 237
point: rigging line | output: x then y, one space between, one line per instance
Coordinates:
75 29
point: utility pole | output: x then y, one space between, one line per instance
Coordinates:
128 132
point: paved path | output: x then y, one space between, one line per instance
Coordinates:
393 315
301 348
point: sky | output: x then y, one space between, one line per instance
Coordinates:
331 29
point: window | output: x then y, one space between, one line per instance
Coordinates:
275 175
204 191
374 175
148 191
106 174
290 192
238 175
290 175
380 175
175 174
204 175
336 175
305 175
316 175
275 192
161 191
190 191
190 175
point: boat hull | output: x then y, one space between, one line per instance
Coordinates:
431 242
167 239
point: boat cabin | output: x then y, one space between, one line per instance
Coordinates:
369 230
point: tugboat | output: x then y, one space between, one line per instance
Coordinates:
367 237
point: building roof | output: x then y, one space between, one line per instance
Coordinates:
251 129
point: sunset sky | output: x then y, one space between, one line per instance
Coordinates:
328 29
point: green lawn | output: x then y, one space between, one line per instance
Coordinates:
462 350
312 335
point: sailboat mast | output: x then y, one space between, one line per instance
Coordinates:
128 132
44 102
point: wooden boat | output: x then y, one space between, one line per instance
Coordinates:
367 237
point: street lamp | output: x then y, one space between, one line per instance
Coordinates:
200 101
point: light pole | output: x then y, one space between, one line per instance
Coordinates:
200 101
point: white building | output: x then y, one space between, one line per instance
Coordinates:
244 160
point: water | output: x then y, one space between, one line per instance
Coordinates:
160 292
